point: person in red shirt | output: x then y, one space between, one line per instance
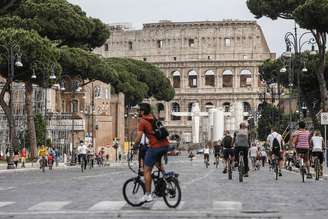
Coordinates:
157 148
23 156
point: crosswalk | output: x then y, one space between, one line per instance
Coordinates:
54 206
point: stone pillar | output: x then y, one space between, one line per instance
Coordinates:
195 128
210 124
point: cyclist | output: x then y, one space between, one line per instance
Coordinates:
207 154
157 148
83 151
317 145
227 148
263 155
253 152
91 155
301 140
276 144
217 150
242 142
43 152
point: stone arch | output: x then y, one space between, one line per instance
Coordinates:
175 108
160 111
226 106
176 78
192 78
210 78
227 77
245 78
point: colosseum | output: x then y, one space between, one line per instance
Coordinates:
212 63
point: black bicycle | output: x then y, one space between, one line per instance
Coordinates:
317 167
275 165
241 166
166 185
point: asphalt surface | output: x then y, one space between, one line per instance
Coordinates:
206 193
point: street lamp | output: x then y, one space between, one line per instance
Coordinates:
14 58
294 42
74 87
45 69
92 98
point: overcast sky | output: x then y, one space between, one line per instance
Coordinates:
137 12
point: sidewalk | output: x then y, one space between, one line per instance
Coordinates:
35 166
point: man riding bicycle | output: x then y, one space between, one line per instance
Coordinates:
276 146
43 153
242 142
157 148
83 151
301 140
217 151
228 150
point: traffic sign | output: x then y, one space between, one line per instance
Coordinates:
324 118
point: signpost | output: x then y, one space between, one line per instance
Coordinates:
324 121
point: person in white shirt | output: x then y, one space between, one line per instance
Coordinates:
253 154
317 144
263 156
83 150
207 154
276 147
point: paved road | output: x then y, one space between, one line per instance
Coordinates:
207 193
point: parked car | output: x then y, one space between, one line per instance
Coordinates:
174 153
200 151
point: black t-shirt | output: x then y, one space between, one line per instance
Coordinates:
227 141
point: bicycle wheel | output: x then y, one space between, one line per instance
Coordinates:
317 168
276 169
229 169
241 167
172 196
133 190
82 165
217 162
302 170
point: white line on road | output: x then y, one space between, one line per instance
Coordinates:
6 188
3 204
108 205
49 206
160 205
227 205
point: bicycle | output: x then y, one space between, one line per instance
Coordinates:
43 164
275 165
241 166
217 159
317 167
166 186
206 160
229 167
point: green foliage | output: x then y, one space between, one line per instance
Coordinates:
274 8
40 129
313 14
269 116
34 49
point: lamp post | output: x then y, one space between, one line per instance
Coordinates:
297 43
92 98
74 87
45 69
13 55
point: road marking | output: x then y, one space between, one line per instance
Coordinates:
108 205
227 205
3 204
160 205
185 185
49 206
6 188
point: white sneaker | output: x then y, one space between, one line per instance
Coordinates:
146 198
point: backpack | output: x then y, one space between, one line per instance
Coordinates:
159 129
275 144
241 140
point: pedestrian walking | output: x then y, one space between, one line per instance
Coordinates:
263 155
23 156
16 157
253 152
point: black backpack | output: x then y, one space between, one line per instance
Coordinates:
159 129
275 145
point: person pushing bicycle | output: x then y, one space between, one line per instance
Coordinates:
157 148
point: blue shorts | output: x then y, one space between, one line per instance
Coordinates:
154 154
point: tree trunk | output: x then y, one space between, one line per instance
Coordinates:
322 83
9 116
30 117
